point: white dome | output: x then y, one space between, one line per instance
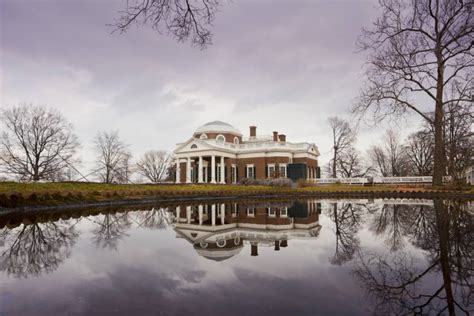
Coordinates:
218 127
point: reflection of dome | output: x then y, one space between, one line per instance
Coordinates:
218 254
218 127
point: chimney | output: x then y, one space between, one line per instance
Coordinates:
253 131
275 136
254 250
277 245
282 137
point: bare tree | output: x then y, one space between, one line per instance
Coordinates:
184 19
419 153
112 157
417 48
389 159
379 160
351 164
154 165
343 138
459 117
37 143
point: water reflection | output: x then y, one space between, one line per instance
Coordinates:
36 247
219 231
409 257
401 284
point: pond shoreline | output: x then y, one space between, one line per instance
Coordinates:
73 205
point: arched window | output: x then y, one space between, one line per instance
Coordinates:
194 146
236 140
220 138
203 136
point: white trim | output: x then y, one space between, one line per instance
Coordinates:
247 170
280 165
220 140
271 165
203 136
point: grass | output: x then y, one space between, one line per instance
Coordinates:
14 194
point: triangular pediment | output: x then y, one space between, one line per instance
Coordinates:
193 144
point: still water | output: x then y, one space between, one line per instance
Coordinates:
307 257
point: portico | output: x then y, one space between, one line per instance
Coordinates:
201 169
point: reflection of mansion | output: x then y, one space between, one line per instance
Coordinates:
218 153
219 231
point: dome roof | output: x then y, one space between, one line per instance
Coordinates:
219 127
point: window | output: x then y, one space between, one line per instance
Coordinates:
218 173
271 171
234 174
284 212
282 170
220 138
251 211
194 146
236 140
203 136
271 212
250 172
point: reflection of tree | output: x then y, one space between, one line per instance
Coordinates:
401 287
36 248
347 220
390 221
110 229
154 218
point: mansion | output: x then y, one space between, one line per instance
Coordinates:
219 153
220 231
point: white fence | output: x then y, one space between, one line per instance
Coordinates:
376 180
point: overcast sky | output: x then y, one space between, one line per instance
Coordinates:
279 65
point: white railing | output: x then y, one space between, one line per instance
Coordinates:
341 180
380 180
404 180
258 145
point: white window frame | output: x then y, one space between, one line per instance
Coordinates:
203 136
233 176
220 140
280 166
271 165
284 212
251 211
236 140
247 168
218 172
271 212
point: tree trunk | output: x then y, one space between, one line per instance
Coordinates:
442 225
439 149
334 175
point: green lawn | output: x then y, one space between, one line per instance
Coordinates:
22 194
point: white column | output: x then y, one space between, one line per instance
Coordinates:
213 169
213 214
178 171
222 170
188 170
200 214
188 214
200 166
178 213
222 214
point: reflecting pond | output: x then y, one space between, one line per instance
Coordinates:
305 257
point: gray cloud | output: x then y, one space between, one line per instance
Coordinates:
282 65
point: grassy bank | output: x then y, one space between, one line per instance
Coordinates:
13 194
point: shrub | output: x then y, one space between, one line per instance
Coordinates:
278 182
